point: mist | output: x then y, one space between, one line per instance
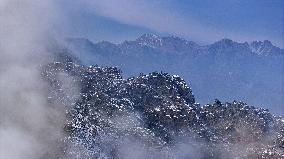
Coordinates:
28 123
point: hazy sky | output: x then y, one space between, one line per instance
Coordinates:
203 21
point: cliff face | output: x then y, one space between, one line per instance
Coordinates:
156 115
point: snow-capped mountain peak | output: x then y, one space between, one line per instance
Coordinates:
262 47
150 40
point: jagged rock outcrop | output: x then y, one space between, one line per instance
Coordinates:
157 112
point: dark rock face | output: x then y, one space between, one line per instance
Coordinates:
108 114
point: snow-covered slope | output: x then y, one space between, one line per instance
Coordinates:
155 116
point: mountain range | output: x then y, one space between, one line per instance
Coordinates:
227 70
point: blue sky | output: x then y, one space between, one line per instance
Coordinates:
203 21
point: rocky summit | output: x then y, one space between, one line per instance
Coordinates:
153 116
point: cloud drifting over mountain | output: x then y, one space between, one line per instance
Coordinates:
28 123
159 18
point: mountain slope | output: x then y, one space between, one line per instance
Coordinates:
154 116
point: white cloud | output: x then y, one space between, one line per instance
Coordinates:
148 15
153 16
27 120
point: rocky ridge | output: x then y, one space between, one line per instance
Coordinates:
157 112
